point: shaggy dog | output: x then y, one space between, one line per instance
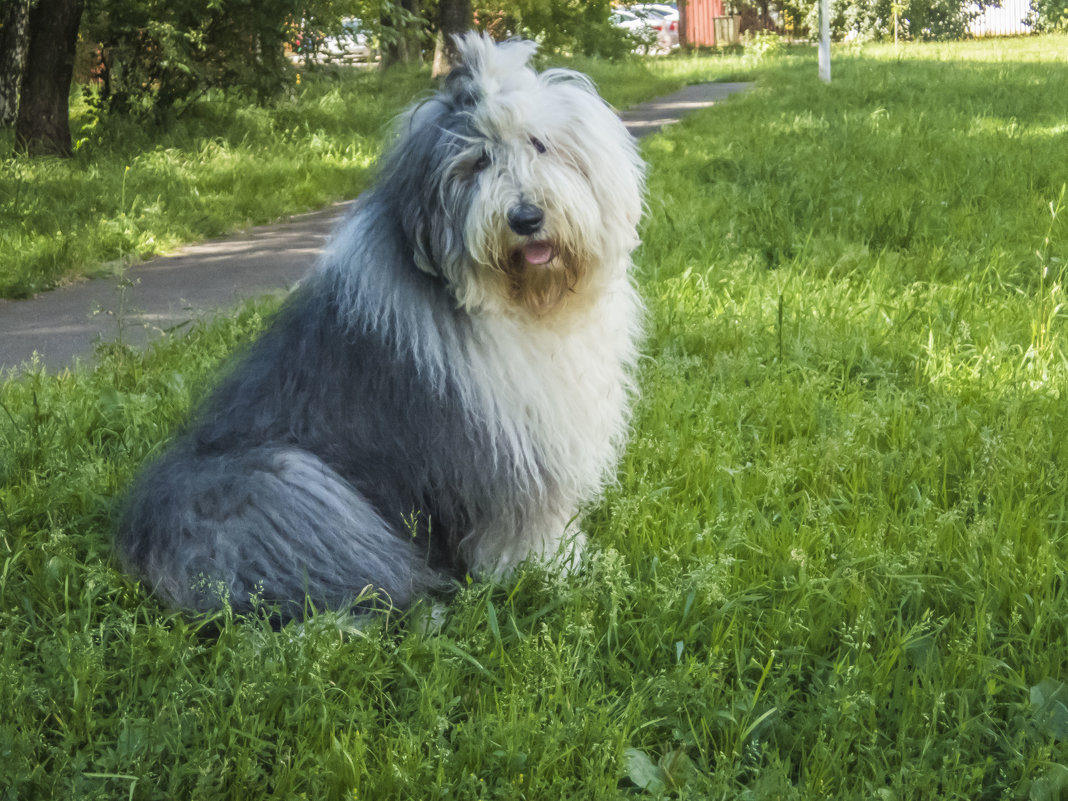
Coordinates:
448 386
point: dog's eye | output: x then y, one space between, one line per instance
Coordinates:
538 144
483 162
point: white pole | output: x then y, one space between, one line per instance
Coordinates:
825 41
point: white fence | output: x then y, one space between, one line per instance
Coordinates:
1004 21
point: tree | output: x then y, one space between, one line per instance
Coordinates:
158 56
454 17
402 32
557 25
42 125
1049 15
14 29
874 19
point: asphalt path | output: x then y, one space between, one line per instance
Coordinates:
61 328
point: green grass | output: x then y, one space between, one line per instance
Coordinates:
132 192
833 565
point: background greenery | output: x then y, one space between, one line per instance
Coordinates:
833 565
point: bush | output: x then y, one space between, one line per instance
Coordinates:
1049 15
925 20
760 47
153 56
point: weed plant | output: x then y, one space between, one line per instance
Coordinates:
133 190
833 565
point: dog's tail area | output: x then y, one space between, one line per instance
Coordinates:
273 524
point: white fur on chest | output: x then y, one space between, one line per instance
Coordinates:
559 388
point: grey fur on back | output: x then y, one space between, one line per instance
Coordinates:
329 460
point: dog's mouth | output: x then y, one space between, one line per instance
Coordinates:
542 273
538 253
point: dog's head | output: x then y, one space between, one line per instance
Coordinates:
519 189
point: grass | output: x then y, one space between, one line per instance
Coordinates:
130 192
833 565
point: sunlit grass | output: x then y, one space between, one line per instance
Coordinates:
833 565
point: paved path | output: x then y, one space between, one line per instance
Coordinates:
63 326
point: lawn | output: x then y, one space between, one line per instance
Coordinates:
834 563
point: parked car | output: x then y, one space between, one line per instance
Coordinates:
670 17
646 28
349 46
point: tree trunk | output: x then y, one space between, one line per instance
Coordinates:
43 122
406 46
454 17
14 26
684 22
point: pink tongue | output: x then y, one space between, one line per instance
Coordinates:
538 252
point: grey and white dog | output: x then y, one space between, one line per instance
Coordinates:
448 386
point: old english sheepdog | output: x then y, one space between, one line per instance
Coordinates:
445 390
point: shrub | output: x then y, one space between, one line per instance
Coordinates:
1049 15
153 56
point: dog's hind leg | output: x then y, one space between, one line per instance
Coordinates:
274 523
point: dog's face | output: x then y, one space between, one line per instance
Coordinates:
521 190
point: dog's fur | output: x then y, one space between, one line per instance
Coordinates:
449 385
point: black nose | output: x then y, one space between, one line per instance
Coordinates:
525 219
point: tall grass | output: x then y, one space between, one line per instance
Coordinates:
132 192
833 565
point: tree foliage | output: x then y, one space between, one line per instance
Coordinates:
574 26
1049 15
155 55
918 19
874 19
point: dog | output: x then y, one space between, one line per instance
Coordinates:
444 391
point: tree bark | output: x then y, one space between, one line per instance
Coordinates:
454 17
43 122
14 26
684 22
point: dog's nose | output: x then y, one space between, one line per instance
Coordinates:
525 219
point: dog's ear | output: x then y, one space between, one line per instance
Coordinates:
461 88
487 67
413 177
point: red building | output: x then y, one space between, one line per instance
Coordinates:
706 25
